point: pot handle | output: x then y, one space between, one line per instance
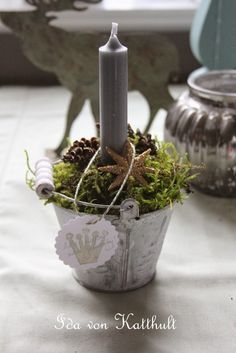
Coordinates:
129 209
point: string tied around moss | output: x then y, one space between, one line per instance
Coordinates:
120 188
170 183
76 202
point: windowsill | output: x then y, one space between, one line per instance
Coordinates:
162 15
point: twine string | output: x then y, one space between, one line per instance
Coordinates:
82 178
84 203
90 204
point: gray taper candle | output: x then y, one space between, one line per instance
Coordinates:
113 90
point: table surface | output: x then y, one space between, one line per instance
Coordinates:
196 272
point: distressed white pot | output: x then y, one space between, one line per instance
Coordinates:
140 244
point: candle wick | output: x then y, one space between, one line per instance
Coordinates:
114 29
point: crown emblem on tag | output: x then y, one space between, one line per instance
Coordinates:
86 242
87 246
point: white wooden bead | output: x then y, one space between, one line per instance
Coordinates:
43 164
43 159
43 170
42 181
45 173
44 188
44 178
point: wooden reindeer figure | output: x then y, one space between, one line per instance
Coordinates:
73 58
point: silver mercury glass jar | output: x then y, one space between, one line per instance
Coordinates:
202 123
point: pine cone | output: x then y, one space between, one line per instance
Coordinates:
81 151
144 141
131 133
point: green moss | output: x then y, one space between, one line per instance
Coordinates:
29 175
168 185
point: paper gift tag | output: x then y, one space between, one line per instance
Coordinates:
86 242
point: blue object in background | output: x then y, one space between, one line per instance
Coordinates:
213 34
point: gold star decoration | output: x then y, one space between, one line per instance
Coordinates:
123 163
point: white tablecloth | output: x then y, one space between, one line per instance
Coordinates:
196 273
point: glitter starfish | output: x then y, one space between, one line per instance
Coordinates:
122 165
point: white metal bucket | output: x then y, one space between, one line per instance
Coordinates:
140 243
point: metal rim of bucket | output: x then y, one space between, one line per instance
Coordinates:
144 215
